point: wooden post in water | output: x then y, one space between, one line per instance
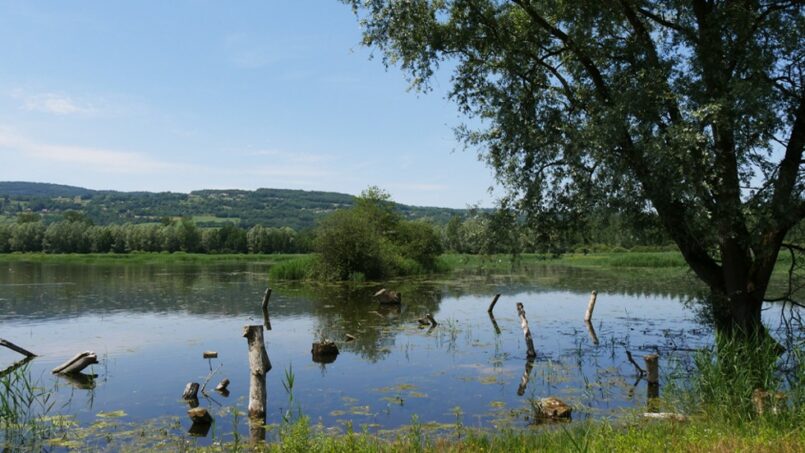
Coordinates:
259 365
266 319
492 305
16 348
529 342
588 315
653 378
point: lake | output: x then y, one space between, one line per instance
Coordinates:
150 324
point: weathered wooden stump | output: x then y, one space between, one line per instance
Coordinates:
386 296
529 341
202 421
552 408
222 385
190 391
77 363
324 351
210 355
588 315
199 415
259 365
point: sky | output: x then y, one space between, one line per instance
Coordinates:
187 95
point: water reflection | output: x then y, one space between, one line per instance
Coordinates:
150 323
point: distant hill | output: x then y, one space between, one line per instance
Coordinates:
298 209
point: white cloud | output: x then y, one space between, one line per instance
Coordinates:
55 103
106 160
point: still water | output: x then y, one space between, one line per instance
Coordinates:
149 325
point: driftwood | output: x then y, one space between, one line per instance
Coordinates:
529 341
266 319
16 348
190 391
210 355
588 315
386 296
77 363
259 365
349 337
492 305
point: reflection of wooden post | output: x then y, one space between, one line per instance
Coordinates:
266 320
16 348
529 364
492 305
259 365
494 323
591 331
529 342
588 315
653 378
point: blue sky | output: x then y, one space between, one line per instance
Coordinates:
185 95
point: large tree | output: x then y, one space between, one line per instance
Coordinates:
694 109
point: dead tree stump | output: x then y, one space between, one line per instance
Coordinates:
529 341
259 365
588 315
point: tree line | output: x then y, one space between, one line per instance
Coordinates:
76 234
479 232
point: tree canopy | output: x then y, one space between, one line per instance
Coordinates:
694 109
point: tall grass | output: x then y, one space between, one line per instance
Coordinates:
24 409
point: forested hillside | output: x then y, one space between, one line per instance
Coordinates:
297 209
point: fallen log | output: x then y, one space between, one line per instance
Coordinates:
77 363
529 341
16 348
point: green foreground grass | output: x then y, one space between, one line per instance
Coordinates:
694 435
